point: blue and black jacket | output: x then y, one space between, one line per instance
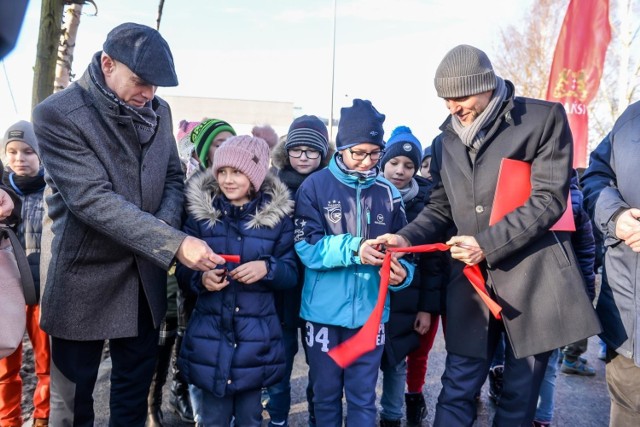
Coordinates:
334 212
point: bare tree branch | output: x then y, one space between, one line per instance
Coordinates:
159 18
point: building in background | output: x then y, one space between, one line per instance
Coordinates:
242 114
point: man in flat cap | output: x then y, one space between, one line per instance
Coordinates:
530 271
111 227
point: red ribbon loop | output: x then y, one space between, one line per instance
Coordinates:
364 340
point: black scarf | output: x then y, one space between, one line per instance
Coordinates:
23 185
292 178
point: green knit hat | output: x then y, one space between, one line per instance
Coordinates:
202 137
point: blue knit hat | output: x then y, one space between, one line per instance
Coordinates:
403 143
360 124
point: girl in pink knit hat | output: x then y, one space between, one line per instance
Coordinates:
233 344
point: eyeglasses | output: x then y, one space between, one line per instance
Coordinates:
296 153
361 155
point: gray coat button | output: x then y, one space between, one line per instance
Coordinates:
479 209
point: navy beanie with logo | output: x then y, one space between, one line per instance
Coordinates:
403 143
360 124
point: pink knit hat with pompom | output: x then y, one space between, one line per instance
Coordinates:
248 154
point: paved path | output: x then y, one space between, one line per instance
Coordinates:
580 401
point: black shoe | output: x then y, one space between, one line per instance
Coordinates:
416 408
179 399
495 383
390 423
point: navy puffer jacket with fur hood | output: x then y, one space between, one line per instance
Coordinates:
233 341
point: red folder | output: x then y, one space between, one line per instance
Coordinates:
513 190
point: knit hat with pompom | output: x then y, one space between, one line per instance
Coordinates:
248 154
403 143
267 133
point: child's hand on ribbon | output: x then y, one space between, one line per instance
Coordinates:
392 241
249 272
215 280
370 253
466 249
397 273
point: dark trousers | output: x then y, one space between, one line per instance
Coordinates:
463 378
74 371
329 380
245 407
623 382
280 393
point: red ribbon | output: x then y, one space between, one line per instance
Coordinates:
231 258
364 340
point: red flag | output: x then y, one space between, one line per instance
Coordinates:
577 67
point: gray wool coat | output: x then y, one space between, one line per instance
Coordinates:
533 271
113 213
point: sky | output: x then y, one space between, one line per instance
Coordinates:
385 51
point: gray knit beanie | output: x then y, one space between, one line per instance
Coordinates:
464 71
21 131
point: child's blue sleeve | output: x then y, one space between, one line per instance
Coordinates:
330 252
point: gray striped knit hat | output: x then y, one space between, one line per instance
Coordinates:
464 71
309 131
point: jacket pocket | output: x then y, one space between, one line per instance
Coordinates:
81 252
314 286
560 252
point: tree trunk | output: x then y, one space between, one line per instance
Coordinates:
47 54
66 47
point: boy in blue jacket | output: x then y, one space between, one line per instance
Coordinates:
337 210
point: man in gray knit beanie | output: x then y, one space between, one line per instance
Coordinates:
464 71
473 93
517 253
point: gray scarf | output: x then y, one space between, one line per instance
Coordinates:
409 192
473 136
358 174
144 119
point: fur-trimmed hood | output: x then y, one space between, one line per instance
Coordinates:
202 193
280 159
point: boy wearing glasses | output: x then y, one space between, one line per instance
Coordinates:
303 151
337 210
